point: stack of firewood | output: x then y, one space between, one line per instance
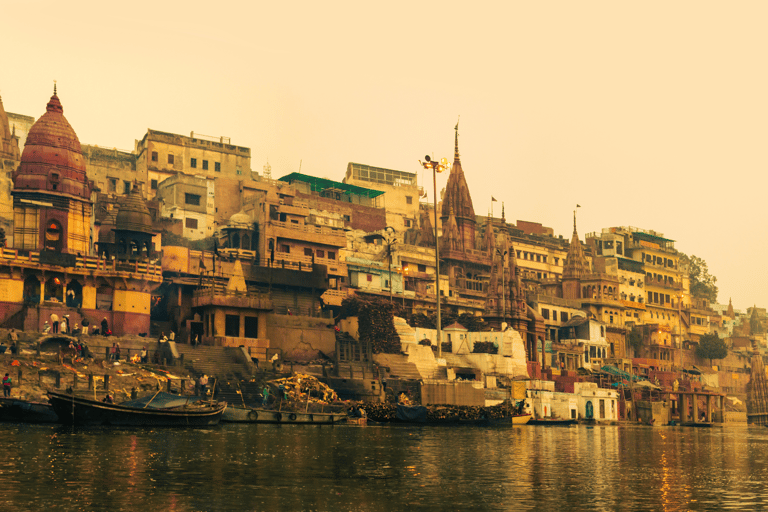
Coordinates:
442 413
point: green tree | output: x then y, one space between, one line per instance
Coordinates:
703 284
635 340
711 347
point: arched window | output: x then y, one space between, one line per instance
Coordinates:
54 236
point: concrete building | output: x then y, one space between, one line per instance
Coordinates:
160 155
112 171
402 193
191 200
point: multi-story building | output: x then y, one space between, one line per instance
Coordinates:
401 200
112 171
189 199
160 155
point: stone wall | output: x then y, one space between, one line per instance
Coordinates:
301 338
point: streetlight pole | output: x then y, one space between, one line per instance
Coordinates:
436 167
503 285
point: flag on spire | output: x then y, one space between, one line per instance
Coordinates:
493 198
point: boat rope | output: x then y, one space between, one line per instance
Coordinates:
150 400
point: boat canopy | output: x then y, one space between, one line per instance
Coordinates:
160 400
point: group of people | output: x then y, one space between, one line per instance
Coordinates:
62 326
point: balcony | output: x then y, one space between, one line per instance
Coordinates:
219 296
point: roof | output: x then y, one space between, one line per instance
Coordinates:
321 184
650 237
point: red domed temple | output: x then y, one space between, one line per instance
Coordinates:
50 268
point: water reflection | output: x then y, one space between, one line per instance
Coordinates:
247 467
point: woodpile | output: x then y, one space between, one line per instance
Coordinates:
442 413
485 347
304 388
376 323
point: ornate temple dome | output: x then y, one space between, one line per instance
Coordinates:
52 160
106 233
133 214
240 220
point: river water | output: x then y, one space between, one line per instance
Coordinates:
338 468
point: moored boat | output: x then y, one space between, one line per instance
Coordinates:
256 415
25 411
158 410
553 421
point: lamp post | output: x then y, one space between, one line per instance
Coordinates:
436 167
503 285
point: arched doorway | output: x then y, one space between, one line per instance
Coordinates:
31 293
54 290
74 294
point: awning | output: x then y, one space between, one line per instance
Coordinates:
618 373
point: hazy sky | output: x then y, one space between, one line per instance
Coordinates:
648 114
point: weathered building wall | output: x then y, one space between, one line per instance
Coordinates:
301 338
113 171
452 393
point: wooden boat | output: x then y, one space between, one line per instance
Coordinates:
24 411
158 410
553 421
254 415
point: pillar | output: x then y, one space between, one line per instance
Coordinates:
262 315
709 408
695 407
683 402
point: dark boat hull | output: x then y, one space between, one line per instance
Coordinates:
255 415
552 422
23 411
72 410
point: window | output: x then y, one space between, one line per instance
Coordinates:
192 199
190 223
408 200
154 156
369 277
545 314
112 185
307 251
331 255
563 316
217 166
239 170
170 159
193 163
347 218
407 222
153 184
320 254
127 187
422 268
205 165
285 248
232 325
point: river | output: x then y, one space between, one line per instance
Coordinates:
339 468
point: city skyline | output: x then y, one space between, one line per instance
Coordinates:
646 116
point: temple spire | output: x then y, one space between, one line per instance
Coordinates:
456 149
54 87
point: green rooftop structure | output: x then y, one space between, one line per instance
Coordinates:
334 189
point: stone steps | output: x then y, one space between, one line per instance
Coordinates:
221 362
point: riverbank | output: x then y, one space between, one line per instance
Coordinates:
39 366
